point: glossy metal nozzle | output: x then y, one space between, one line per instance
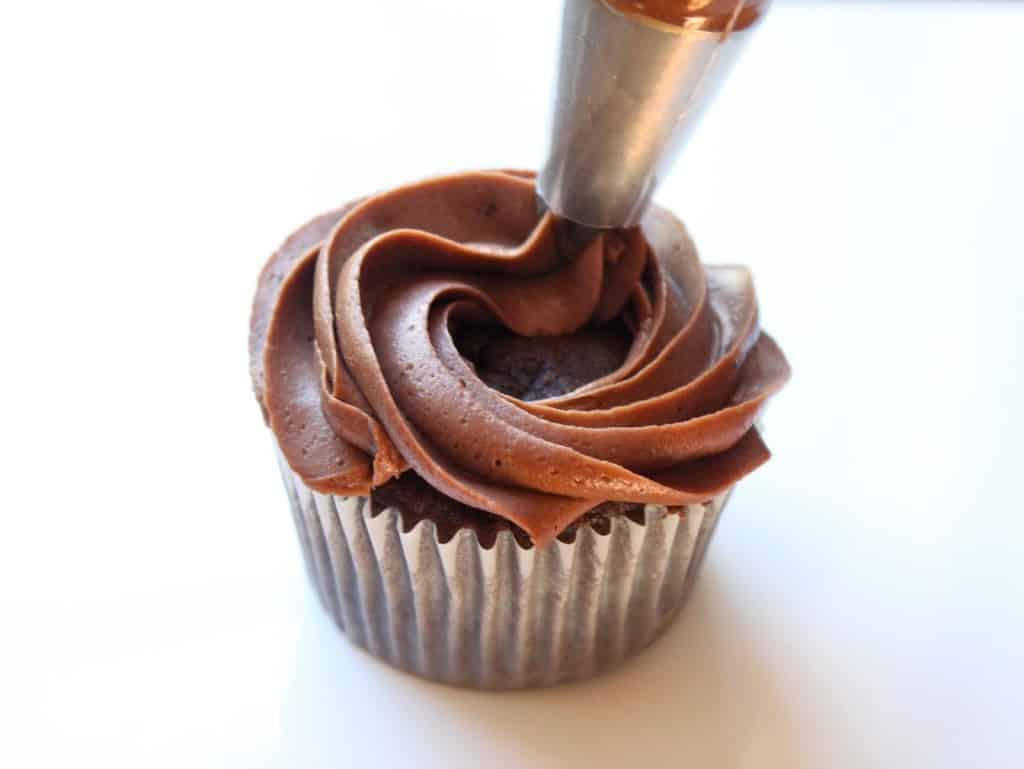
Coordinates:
630 90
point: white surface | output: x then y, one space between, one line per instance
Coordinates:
862 606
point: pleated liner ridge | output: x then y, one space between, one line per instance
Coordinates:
507 617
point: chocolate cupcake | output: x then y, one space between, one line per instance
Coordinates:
505 461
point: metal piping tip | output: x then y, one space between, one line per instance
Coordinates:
633 79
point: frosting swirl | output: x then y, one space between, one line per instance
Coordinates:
355 363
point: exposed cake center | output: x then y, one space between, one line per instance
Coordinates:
534 368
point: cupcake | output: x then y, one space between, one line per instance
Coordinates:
505 463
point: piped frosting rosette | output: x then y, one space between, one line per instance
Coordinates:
355 360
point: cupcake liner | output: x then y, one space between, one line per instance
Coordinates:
504 617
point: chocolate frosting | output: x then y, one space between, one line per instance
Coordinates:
705 15
355 362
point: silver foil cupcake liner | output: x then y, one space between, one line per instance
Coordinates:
504 617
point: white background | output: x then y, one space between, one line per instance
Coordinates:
862 605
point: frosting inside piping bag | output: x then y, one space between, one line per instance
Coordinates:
354 357
706 15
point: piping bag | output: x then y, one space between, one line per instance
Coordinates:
633 79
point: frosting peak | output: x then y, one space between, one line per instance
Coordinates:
355 360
